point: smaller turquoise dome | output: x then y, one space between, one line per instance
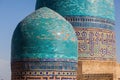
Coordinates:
44 34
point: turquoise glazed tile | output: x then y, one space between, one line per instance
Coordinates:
89 18
44 34
98 8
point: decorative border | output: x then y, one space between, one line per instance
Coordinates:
44 65
90 22
45 73
41 75
40 59
44 68
96 44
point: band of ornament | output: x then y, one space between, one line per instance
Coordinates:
96 37
90 22
44 65
96 43
44 60
45 73
44 69
48 75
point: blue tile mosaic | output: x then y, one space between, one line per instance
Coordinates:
91 22
90 17
44 34
98 8
43 45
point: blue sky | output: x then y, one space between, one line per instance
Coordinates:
11 13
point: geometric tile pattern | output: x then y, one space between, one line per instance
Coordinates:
91 22
35 69
96 37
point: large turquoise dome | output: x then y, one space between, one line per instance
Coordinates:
44 44
44 34
97 8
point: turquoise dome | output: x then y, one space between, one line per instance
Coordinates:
44 34
97 8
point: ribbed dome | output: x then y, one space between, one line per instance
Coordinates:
98 8
44 35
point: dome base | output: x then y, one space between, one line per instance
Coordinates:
44 69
